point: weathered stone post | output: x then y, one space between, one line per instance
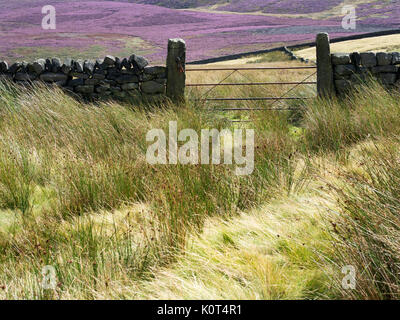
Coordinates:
176 64
325 85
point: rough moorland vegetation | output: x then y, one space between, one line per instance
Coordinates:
77 193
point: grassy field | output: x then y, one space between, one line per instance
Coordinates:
77 193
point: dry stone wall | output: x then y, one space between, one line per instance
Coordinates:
93 79
350 69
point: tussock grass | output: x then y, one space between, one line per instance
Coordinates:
62 159
367 231
369 111
267 253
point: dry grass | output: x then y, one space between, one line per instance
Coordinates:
76 193
267 253
375 44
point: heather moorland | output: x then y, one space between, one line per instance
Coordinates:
90 29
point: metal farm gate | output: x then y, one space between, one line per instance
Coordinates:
205 96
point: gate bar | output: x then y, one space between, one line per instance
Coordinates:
255 109
253 68
251 99
246 84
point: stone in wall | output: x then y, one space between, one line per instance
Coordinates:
76 82
126 78
80 75
138 62
78 66
109 61
396 58
85 89
3 66
344 70
342 85
103 87
55 65
67 66
388 78
355 59
92 82
88 66
53 77
368 59
341 59
16 67
22 76
384 69
384 59
152 87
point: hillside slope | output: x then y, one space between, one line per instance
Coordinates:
91 29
